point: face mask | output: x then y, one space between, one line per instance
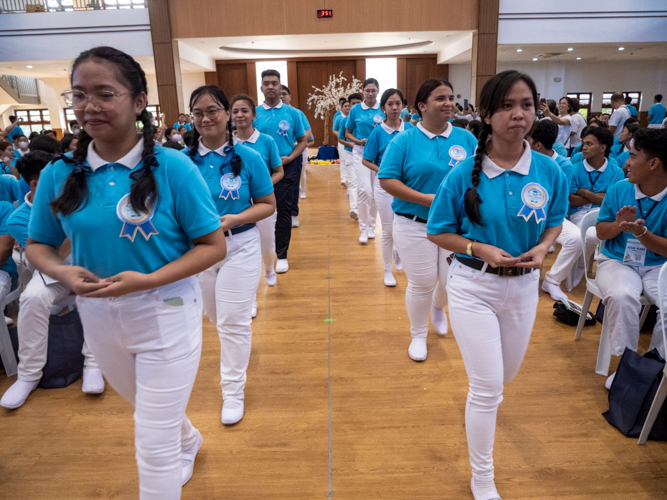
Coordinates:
176 138
23 144
76 131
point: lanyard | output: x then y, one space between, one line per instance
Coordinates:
590 177
645 217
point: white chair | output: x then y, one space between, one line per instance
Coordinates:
592 288
6 348
661 394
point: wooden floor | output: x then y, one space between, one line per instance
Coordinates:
397 426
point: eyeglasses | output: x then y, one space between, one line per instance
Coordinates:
103 99
211 114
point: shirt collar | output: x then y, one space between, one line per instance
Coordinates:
365 107
390 130
591 169
277 106
252 139
428 134
203 150
657 197
555 155
130 160
522 166
27 195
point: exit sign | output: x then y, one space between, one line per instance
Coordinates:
324 13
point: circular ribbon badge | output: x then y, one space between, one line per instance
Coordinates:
377 119
283 128
134 221
230 186
534 198
457 155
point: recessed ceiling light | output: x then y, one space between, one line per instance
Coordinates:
534 58
519 50
578 58
29 67
570 49
621 48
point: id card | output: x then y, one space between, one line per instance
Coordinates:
47 279
635 253
586 208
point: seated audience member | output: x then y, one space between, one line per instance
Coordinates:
631 108
181 131
604 118
187 138
460 123
182 122
541 139
657 113
50 133
8 157
68 143
173 145
475 126
37 301
21 144
74 127
590 181
620 115
621 151
8 274
633 226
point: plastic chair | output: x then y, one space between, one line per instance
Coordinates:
661 393
592 289
6 348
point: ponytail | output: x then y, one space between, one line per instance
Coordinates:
75 192
472 199
144 191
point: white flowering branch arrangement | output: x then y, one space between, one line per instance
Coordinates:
326 99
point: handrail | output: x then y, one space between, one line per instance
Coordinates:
29 6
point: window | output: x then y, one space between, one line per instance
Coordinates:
34 120
384 70
636 98
585 99
280 66
69 116
155 111
606 100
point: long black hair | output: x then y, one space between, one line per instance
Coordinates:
144 190
219 97
427 88
491 99
387 94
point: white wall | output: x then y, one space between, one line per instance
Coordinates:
459 77
190 82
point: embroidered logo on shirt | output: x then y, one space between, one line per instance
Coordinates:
230 186
283 128
457 155
534 198
134 221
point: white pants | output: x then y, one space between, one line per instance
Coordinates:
304 161
149 352
591 242
570 252
383 202
229 289
655 125
621 286
365 182
36 303
267 236
5 284
492 318
352 185
343 165
425 265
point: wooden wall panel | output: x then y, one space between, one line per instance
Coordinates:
233 79
251 76
484 46
417 70
211 78
401 75
293 80
216 18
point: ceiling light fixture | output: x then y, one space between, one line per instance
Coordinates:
570 49
534 58
578 58
621 48
29 67
519 50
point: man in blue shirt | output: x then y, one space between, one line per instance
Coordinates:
631 108
16 131
657 113
284 124
182 123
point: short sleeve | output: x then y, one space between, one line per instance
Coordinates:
349 123
372 146
559 200
609 206
6 210
298 125
44 226
260 179
394 159
615 119
341 130
193 205
274 156
445 211
574 180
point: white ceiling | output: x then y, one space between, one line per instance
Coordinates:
587 52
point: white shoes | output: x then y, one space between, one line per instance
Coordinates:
232 411
554 290
271 277
363 237
282 266
8 320
609 381
389 279
439 320
93 381
254 310
397 262
303 194
188 459
295 221
344 184
491 495
16 395
417 349
371 233
354 215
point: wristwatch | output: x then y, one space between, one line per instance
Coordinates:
469 249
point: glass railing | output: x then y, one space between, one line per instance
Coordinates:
23 6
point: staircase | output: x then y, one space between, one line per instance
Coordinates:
21 88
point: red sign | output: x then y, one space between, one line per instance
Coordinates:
324 13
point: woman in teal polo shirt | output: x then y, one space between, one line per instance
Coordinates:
499 212
141 223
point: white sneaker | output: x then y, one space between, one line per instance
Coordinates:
417 349
609 381
232 411
8 320
371 233
16 395
389 279
397 262
188 459
282 266
93 381
344 184
303 194
270 277
439 320
554 290
363 237
491 495
295 221
354 215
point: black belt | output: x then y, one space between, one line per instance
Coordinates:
504 272
413 217
240 229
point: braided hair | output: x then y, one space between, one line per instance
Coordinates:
219 97
491 99
144 190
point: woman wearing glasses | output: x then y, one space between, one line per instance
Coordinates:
141 224
240 184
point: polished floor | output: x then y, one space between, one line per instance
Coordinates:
329 371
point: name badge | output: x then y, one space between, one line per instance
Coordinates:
135 221
586 208
283 128
230 186
457 155
635 253
534 198
377 119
